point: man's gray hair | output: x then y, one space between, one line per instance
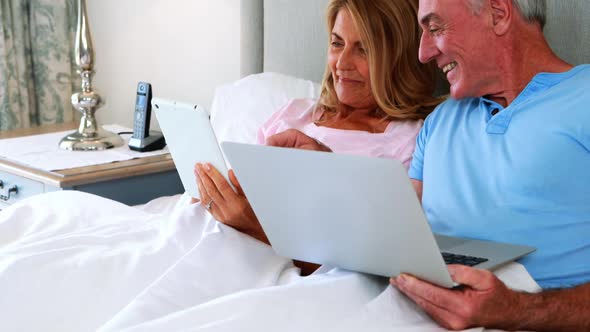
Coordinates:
531 10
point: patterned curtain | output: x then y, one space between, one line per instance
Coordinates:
37 72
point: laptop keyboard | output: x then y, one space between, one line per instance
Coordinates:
462 259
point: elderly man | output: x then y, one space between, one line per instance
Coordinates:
507 158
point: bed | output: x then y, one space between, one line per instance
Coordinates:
167 265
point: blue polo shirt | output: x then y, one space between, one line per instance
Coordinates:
520 176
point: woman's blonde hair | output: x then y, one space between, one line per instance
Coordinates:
403 88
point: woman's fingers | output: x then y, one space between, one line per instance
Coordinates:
228 204
221 184
214 206
293 138
236 184
202 190
210 186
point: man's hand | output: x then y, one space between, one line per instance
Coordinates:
481 300
293 138
225 204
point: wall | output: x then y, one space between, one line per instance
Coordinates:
567 26
185 48
303 53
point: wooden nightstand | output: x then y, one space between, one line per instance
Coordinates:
131 182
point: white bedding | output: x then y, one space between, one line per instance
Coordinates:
75 262
70 261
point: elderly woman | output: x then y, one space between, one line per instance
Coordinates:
375 95
102 256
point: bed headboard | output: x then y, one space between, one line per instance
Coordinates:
295 37
568 29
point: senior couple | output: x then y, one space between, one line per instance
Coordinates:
505 158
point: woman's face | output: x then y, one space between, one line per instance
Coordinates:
348 62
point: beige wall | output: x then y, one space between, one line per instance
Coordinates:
185 48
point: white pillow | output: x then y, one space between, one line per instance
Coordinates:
240 108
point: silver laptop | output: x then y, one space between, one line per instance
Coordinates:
356 213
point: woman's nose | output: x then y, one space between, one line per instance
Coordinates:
345 60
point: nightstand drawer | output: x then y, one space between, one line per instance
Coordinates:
25 188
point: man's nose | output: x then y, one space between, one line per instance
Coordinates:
428 50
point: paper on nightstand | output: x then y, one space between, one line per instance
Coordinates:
43 152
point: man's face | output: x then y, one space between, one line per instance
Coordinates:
462 45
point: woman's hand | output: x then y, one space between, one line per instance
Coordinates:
225 204
293 138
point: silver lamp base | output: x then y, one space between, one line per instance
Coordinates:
100 140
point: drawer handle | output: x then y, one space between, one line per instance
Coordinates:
11 190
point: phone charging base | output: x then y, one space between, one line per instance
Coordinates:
155 141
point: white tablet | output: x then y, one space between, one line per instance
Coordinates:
190 139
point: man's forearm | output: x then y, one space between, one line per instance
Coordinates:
554 310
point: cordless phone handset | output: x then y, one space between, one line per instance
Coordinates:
143 139
142 115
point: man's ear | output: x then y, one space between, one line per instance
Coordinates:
502 13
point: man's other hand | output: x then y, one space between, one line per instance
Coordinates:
293 138
481 300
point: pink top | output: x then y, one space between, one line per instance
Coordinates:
397 141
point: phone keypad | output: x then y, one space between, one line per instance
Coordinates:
138 124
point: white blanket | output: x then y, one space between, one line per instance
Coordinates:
70 261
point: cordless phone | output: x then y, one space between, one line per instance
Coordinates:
143 139
143 110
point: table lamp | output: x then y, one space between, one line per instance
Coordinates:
89 136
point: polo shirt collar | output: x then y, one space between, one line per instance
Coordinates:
498 124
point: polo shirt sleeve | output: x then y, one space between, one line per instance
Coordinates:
416 167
